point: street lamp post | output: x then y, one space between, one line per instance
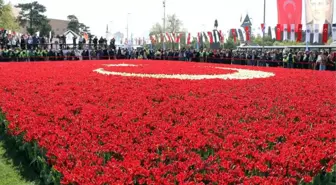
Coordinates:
127 24
164 22
264 18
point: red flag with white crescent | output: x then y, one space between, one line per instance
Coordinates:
325 33
289 11
299 33
278 32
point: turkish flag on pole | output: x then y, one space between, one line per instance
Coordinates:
289 11
247 31
299 33
234 35
278 32
325 33
210 37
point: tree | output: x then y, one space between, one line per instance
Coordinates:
174 24
1 6
216 24
45 28
7 18
156 29
77 27
31 16
229 44
267 41
287 43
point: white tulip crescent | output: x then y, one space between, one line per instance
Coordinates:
241 74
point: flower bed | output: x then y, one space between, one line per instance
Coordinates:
107 129
170 68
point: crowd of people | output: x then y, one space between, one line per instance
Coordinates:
34 48
319 60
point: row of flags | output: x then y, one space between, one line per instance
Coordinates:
135 41
12 34
167 37
285 32
294 32
214 36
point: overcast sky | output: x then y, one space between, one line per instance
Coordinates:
196 15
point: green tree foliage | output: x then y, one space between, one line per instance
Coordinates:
229 44
31 16
76 26
287 43
156 29
7 18
267 41
174 24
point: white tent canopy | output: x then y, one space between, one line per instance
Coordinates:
69 34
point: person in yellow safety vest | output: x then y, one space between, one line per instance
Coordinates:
289 60
284 61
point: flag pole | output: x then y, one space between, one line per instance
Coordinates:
264 24
164 23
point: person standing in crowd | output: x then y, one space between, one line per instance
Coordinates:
74 41
95 42
290 59
80 42
323 61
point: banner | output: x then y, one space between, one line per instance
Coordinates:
316 33
308 33
216 36
241 35
221 36
285 32
325 33
188 38
334 32
199 37
273 33
292 29
299 33
289 11
178 38
210 37
247 31
319 12
233 31
205 37
278 32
